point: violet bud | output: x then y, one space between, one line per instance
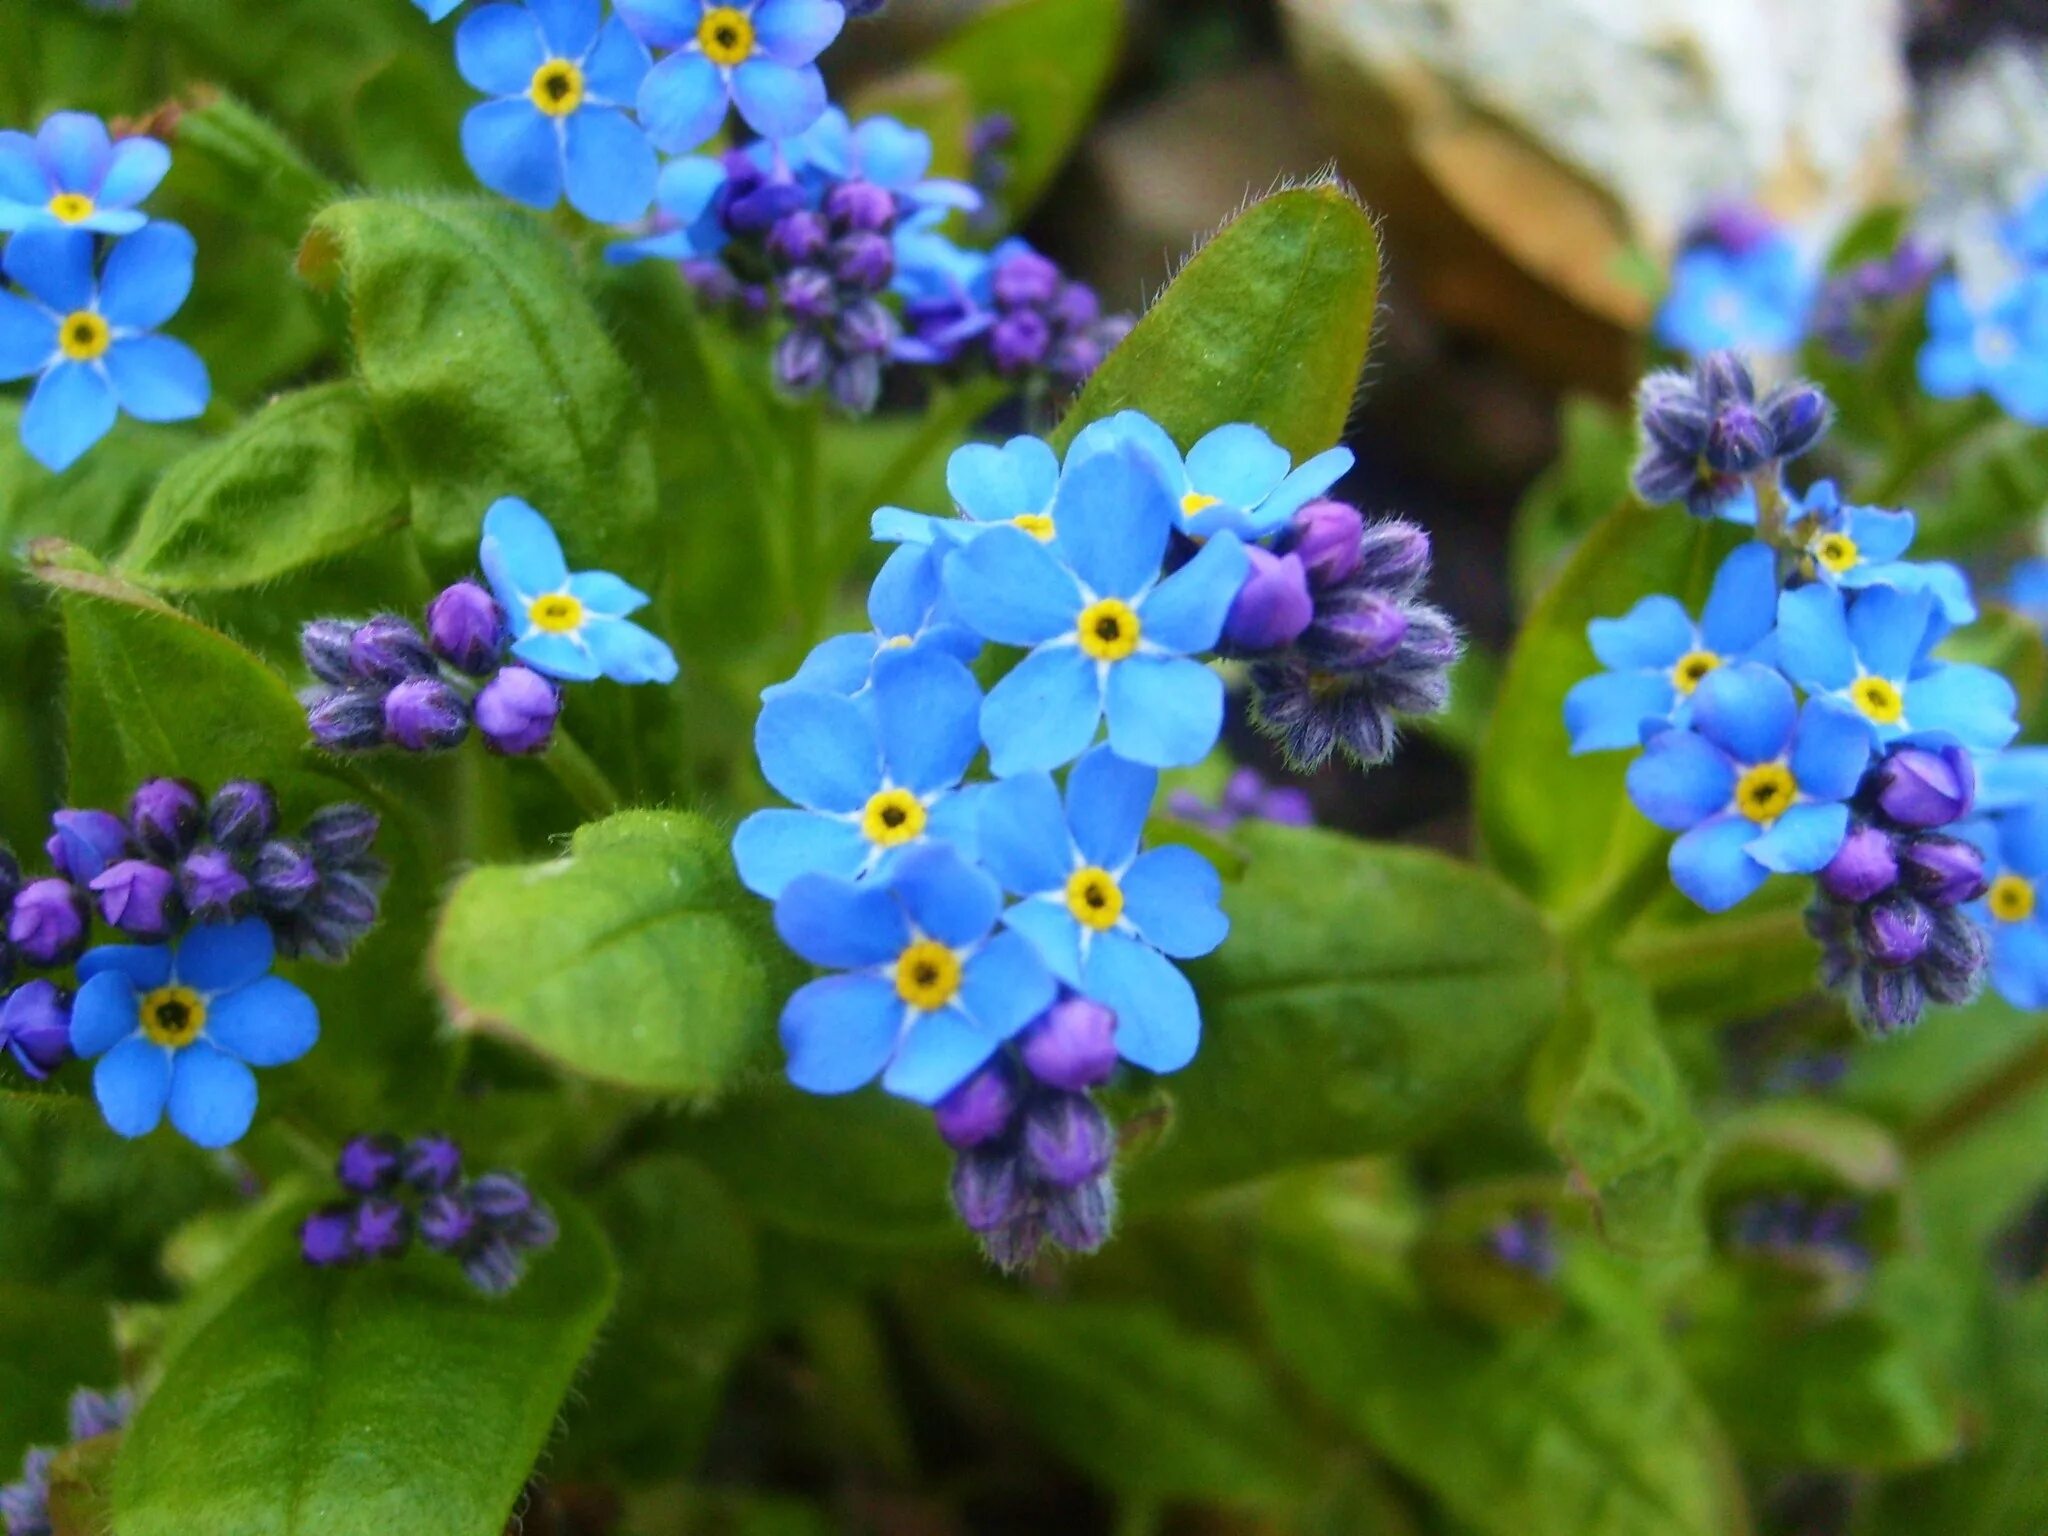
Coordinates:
466 628
801 361
866 329
387 649
284 874
1325 536
327 1237
1079 1219
499 1197
1957 957
1724 378
1077 307
860 206
140 899
382 1228
988 1189
980 1109
324 644
35 1027
808 294
368 1165
424 714
211 887
798 238
1797 416
1273 606
856 385
1072 1045
341 834
166 816
92 1414
1392 554
1019 341
1943 871
1892 1000
1895 930
1026 279
1067 1140
1357 630
1864 866
1074 358
47 925
1738 442
534 1227
516 712
242 813
446 1222
347 719
494 1267
1925 787
83 843
432 1163
864 261
1015 1244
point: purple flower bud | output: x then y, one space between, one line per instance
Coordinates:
1026 279
341 834
1067 1140
801 360
1895 931
446 1223
1943 871
92 1414
382 1228
327 1237
1738 442
494 1267
516 712
1077 307
1724 378
284 875
166 816
799 238
1864 867
466 628
988 1189
1074 358
432 1164
1925 787
866 329
347 719
1797 416
1273 606
808 294
368 1165
1019 341
535 1227
856 385
83 843
860 205
1072 1045
1326 536
1013 1245
863 261
140 899
242 813
1891 1000
1393 555
211 887
424 714
324 644
1358 629
47 925
35 1028
980 1109
387 649
1957 957
1079 1219
499 1197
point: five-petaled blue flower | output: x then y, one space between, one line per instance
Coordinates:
1999 347
881 151
1014 484
570 627
72 175
181 1027
754 54
1235 479
1108 636
1104 916
1755 784
1657 656
1870 652
1754 298
92 345
686 196
564 80
2012 911
907 608
930 989
1857 547
875 779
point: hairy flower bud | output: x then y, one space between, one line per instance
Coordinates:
284 875
35 1027
140 899
324 644
1325 536
166 816
980 1109
1864 867
466 628
1273 607
1067 1140
1924 787
242 813
211 886
387 649
424 714
368 1165
347 719
83 843
516 712
1072 1045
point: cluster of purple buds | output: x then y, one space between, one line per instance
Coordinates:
832 267
399 1191
1034 1149
1706 435
1791 1227
1888 912
1525 1240
1247 796
1333 619
989 167
385 683
25 1502
1036 325
1853 305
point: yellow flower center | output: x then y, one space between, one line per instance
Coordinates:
556 614
898 643
927 975
892 817
84 336
726 34
1878 699
1037 524
1691 670
2011 898
172 1016
1837 551
557 88
1196 501
1094 899
71 207
1108 629
1766 792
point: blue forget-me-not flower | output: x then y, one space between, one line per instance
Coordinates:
757 55
1755 296
1998 346
992 486
71 174
572 627
1236 479
1856 547
2012 911
180 1027
907 607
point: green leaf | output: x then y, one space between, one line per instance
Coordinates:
1145 1406
96 501
489 373
231 158
1267 323
1993 484
1588 480
359 1402
635 959
1366 995
306 480
51 1342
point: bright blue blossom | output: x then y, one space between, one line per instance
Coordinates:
1755 298
1236 479
930 990
1870 654
2026 229
2027 589
91 345
1999 347
1856 547
1756 785
572 627
438 10
180 1026
1108 919
564 80
756 55
875 779
947 290
910 616
72 175
1014 484
1657 656
686 196
1107 635
2014 908
879 150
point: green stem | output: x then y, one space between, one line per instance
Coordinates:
580 777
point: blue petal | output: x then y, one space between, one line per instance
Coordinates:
609 166
1710 863
1164 711
1008 586
156 378
28 337
1747 711
1237 464
147 277
74 149
131 1082
2023 841
521 557
146 965
955 818
928 713
137 167
1743 605
818 750
515 150
213 1096
1654 633
1158 1021
21 173
1830 750
1108 800
1813 639
896 156
1947 367
1802 840
569 26
682 102
777 100
103 1014
1680 780
1304 485
839 665
1880 535
1044 714
1024 838
940 1051
498 49
1172 896
603 593
771 848
1607 712
993 485
946 897
1052 933
567 658
662 23
838 924
1006 985
840 1032
1887 627
72 408
1185 612
905 591
686 187
1973 704
615 66
626 653
797 31
1139 431
219 957
1114 515
2012 779
268 1023
2019 964
54 264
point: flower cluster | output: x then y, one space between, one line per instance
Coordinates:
1783 730
213 891
1740 282
488 1223
1992 338
25 1502
1855 305
489 660
1246 796
998 946
93 280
